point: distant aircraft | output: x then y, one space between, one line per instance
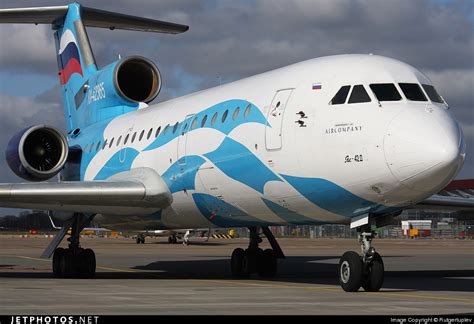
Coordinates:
173 235
345 139
85 229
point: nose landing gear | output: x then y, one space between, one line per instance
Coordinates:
366 270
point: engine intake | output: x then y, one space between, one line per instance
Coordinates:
37 153
137 79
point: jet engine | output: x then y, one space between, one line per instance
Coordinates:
132 79
37 153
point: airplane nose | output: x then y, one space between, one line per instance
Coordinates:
424 149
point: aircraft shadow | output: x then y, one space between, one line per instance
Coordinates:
298 269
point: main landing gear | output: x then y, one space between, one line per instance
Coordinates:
254 259
366 270
74 262
172 239
140 239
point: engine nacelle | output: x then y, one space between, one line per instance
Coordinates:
132 79
37 153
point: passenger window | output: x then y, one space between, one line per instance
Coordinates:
432 93
157 132
385 92
166 129
133 137
141 135
149 133
85 148
105 144
193 125
214 118
236 113
359 95
126 139
111 142
119 140
247 111
341 95
98 147
203 122
175 127
224 116
92 147
412 91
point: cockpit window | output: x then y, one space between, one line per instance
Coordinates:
359 94
432 93
412 91
340 96
385 92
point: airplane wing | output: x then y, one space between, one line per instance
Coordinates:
457 196
135 192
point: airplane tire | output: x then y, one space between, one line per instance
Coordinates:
57 262
373 280
267 264
170 240
67 264
87 263
237 263
350 271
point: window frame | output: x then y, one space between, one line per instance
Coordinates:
395 86
348 99
419 88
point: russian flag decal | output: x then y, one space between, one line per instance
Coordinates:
316 86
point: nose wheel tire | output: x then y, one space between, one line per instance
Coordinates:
350 271
374 276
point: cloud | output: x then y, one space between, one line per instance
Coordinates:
229 40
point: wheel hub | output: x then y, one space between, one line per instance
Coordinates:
345 272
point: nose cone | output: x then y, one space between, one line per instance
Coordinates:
424 149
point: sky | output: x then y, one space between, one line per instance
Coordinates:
229 40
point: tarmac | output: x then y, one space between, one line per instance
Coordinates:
425 276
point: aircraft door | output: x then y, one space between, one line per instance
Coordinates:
182 139
123 152
273 133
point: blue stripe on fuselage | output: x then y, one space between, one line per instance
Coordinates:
254 116
238 163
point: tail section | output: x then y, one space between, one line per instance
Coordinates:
90 94
76 65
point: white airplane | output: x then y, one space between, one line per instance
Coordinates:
173 235
346 139
85 229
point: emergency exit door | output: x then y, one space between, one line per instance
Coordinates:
273 132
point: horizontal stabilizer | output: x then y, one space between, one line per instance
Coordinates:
91 17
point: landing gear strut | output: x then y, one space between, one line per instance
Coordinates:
74 262
366 270
254 259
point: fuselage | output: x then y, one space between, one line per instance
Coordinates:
277 148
